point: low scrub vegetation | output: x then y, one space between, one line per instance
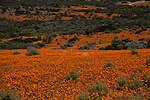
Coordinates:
72 75
109 64
8 95
32 51
16 52
122 81
95 92
133 82
148 62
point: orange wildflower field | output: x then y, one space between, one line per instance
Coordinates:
42 77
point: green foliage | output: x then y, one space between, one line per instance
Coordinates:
63 47
138 70
115 37
66 45
8 95
110 47
122 81
146 78
131 45
53 35
148 62
72 40
87 46
26 40
20 45
72 75
16 52
148 44
83 96
102 48
32 51
97 91
120 47
135 84
135 97
109 64
14 45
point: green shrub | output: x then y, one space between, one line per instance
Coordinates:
72 40
136 97
146 78
148 62
16 52
115 37
110 47
148 44
109 64
131 46
122 81
14 45
8 95
88 46
99 88
66 45
137 70
32 51
63 47
53 35
120 47
135 84
39 45
72 75
83 96
26 40
102 48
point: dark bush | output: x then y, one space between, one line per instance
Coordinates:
72 75
115 37
146 78
109 64
122 81
138 70
66 45
148 62
110 47
120 47
135 84
32 51
72 40
99 87
148 44
17 52
14 45
131 46
39 45
8 95
102 48
20 45
26 40
88 46
83 96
